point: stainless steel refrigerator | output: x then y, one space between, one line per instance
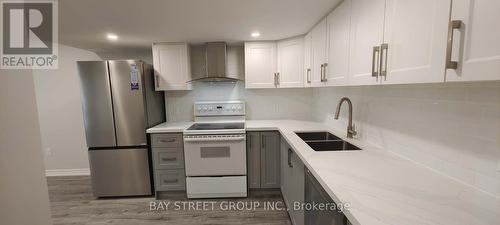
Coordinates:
119 104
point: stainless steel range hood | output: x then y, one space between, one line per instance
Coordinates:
209 63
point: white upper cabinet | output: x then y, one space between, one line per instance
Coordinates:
476 44
414 48
338 28
307 60
367 34
318 59
260 64
171 65
291 63
273 64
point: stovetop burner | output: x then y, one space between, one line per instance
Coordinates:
217 126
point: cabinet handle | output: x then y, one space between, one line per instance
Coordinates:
383 60
275 84
156 81
170 180
263 142
290 158
278 78
323 72
169 159
454 24
375 55
308 75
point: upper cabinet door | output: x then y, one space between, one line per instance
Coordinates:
367 32
338 24
415 37
171 65
291 63
307 60
260 64
476 44
318 37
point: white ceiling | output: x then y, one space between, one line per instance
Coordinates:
138 23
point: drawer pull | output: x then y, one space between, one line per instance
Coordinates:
169 181
167 140
169 159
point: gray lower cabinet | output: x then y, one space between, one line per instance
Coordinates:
292 182
263 155
168 162
253 159
314 193
170 180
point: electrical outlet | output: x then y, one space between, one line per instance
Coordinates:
48 152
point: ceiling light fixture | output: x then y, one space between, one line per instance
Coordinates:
112 37
255 34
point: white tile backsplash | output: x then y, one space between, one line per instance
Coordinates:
292 103
451 128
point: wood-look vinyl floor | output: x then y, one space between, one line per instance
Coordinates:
72 203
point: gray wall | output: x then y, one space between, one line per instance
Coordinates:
60 112
24 198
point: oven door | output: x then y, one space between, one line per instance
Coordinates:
215 155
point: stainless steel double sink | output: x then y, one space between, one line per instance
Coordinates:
325 141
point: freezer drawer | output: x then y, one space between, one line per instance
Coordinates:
120 172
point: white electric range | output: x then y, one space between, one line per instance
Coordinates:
215 151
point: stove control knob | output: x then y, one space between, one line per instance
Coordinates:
210 108
233 108
240 108
204 108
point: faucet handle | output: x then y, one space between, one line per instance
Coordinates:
353 130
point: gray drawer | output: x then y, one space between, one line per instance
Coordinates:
170 180
166 140
168 158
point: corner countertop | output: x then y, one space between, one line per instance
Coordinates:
380 186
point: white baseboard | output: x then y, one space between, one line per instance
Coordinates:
67 172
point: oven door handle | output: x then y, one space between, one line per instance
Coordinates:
212 139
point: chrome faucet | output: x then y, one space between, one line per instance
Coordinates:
350 127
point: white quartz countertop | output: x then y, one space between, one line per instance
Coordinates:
381 187
169 127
